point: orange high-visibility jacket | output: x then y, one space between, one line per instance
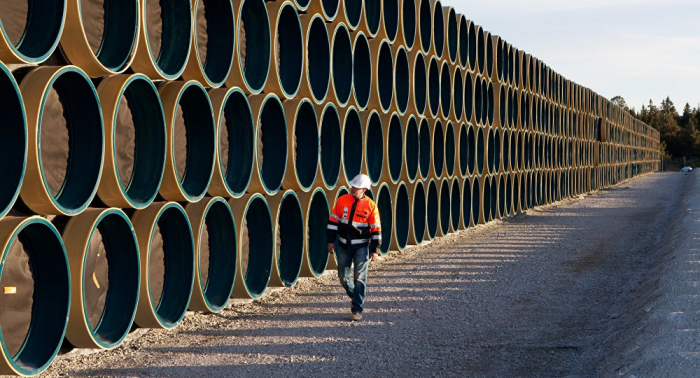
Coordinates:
356 223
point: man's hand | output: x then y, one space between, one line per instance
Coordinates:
331 248
374 256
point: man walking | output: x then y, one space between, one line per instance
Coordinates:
355 221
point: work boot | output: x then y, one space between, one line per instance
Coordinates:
356 316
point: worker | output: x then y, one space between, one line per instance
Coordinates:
355 222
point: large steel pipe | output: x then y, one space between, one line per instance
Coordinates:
485 199
451 34
165 40
253 48
450 146
105 275
167 254
418 84
331 147
438 149
371 17
444 207
401 218
457 94
191 141
425 26
411 149
36 286
446 91
216 253
271 141
438 28
456 222
468 206
374 146
390 20
393 148
235 147
287 50
408 27
256 245
30 36
66 140
135 141
100 36
303 145
316 212
402 86
289 235
213 41
385 206
361 71
326 8
352 144
382 93
341 63
468 98
14 144
317 62
432 209
352 10
463 41
417 218
425 157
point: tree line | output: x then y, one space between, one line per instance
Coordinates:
680 131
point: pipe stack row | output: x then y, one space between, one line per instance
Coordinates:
165 156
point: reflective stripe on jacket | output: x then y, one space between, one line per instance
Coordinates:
363 230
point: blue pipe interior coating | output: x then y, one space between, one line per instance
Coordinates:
352 144
256 275
424 148
361 70
419 212
175 38
14 142
255 61
44 248
374 147
385 76
331 146
445 90
291 249
307 144
342 72
425 25
445 207
318 59
467 210
412 148
223 250
42 32
386 214
408 22
401 80
317 221
456 204
401 216
291 50
240 136
395 148
432 209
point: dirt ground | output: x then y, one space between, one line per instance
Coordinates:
602 285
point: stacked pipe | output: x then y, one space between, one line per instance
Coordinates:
207 140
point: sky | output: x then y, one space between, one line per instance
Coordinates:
637 49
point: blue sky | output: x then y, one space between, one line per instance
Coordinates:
638 49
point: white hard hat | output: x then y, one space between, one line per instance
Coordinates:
361 182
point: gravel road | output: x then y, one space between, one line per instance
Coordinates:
559 291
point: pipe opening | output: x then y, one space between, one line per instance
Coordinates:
330 8
433 210
473 46
33 35
390 15
331 146
476 201
236 143
425 25
452 35
456 205
450 150
254 49
361 70
168 31
424 155
434 87
35 278
14 142
502 197
272 144
386 213
408 22
481 50
193 139
463 42
468 97
352 144
401 80
504 106
419 212
412 148
457 93
480 151
112 42
420 84
445 90
306 144
316 223
170 265
438 148
464 149
342 64
486 203
289 48
497 151
491 103
139 140
489 53
395 148
505 151
257 248
467 210
214 39
494 197
318 59
385 76
373 16
71 141
438 29
445 207
353 12
401 217
374 148
217 254
478 100
290 239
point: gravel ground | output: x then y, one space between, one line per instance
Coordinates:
564 290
